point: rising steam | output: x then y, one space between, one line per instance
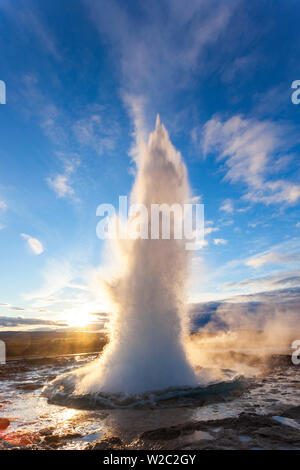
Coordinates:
146 351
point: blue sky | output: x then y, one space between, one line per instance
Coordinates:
82 75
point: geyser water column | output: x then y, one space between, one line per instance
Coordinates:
146 351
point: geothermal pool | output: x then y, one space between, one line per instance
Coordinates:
264 414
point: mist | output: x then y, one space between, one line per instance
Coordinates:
147 289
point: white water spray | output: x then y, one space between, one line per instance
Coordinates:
146 351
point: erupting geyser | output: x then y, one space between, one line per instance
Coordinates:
146 351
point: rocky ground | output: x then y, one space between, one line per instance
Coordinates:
243 432
262 417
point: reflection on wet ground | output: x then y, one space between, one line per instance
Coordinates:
265 415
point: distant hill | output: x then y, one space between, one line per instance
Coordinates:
51 343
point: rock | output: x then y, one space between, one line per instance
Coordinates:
4 423
162 434
47 431
29 387
57 438
5 445
108 443
293 412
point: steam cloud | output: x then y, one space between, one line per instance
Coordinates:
146 351
262 321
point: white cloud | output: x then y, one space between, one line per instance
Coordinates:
35 245
86 129
29 23
3 205
6 321
241 67
93 132
61 282
52 120
200 244
272 258
281 280
227 206
56 276
69 288
62 183
253 151
220 241
166 45
208 230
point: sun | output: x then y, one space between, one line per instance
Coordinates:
78 317
87 313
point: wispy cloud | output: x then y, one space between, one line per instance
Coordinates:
220 241
7 306
55 277
3 205
36 102
159 51
21 321
32 26
92 128
227 206
240 68
208 230
272 258
281 280
35 246
253 151
91 131
61 282
62 182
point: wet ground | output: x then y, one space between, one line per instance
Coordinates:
264 413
